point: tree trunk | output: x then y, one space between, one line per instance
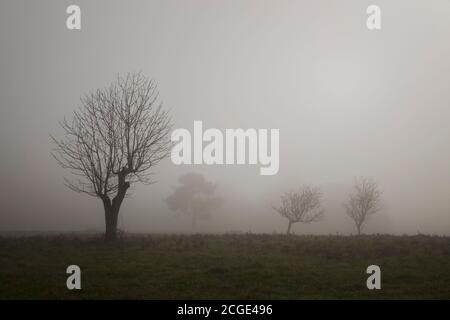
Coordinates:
359 230
111 224
112 208
289 228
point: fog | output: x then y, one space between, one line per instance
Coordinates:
348 101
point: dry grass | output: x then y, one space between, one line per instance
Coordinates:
245 266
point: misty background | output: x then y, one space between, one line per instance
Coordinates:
348 102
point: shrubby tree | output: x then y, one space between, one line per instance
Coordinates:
363 202
114 140
301 206
195 197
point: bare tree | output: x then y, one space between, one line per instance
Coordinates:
302 206
113 140
195 197
363 202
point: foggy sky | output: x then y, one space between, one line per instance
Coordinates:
348 102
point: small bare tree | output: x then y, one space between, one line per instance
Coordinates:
113 140
363 202
302 206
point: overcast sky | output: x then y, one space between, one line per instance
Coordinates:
348 102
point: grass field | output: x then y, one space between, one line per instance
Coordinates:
243 266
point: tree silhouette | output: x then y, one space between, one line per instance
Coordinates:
195 196
302 206
114 140
363 202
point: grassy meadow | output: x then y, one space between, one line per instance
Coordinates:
232 266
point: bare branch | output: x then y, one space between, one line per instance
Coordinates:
302 206
119 132
363 202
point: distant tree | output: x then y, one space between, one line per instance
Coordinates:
195 197
113 140
301 206
363 202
